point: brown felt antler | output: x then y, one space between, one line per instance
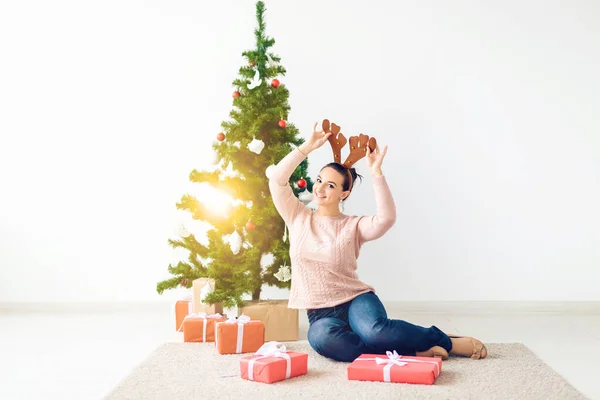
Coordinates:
358 144
358 148
336 139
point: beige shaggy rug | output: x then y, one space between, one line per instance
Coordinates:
180 371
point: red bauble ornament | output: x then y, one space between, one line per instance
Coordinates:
282 123
250 225
236 94
275 83
301 183
221 137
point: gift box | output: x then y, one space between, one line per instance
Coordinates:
395 368
239 335
182 309
201 288
281 322
273 363
200 327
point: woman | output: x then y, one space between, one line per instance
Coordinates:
346 317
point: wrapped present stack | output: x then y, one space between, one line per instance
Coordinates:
280 323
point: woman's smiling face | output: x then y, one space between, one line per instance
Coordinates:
328 188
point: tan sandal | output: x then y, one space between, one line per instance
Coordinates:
435 351
439 351
479 349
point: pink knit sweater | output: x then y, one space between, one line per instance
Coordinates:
323 249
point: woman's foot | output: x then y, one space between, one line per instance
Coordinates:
435 351
467 347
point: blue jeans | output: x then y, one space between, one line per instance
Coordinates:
361 326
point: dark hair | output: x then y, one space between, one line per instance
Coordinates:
345 172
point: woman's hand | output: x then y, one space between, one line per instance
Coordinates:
316 140
375 159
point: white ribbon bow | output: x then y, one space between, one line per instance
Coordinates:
271 349
241 320
206 317
395 359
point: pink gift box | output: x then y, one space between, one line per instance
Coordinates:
273 363
395 368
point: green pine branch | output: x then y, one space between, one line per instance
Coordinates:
167 284
190 243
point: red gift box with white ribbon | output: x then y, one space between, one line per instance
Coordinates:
395 368
273 363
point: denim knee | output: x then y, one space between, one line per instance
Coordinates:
327 339
375 335
319 334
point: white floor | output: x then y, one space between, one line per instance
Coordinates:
83 355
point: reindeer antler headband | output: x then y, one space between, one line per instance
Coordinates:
358 144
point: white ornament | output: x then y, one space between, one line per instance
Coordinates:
255 82
284 274
235 242
269 171
272 64
237 144
256 146
183 232
305 197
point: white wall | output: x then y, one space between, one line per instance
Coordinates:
489 111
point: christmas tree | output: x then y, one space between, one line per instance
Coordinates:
249 228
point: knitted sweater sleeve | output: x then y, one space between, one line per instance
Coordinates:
375 226
286 203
